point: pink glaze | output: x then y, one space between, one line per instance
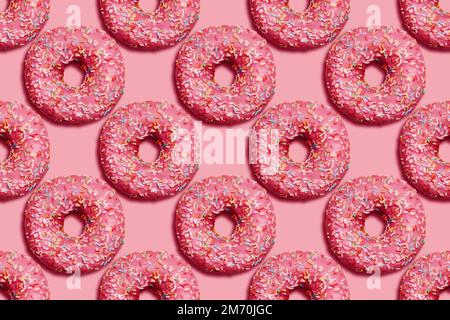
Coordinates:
99 207
22 21
169 24
319 276
252 61
400 57
22 278
319 24
402 211
427 278
419 150
173 130
104 74
328 160
29 150
427 22
252 211
167 275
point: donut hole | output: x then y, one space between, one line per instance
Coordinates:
375 224
4 150
224 224
74 223
149 150
74 74
299 5
225 74
299 294
148 5
444 150
299 150
149 293
375 74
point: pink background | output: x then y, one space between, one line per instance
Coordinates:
149 225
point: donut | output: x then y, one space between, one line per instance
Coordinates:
98 206
419 150
21 278
319 276
173 131
21 22
249 206
325 134
101 62
170 23
399 206
252 61
400 57
427 278
167 275
29 150
316 26
427 22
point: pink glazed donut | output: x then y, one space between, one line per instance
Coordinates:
21 278
319 24
21 22
29 150
167 275
171 128
419 150
252 61
168 25
252 211
101 62
325 134
404 83
319 276
99 207
427 22
427 278
402 211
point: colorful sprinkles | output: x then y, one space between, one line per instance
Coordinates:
427 278
29 150
402 211
99 207
328 159
419 150
319 24
22 278
21 22
404 83
317 275
249 206
170 23
167 275
173 130
252 61
101 62
427 22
